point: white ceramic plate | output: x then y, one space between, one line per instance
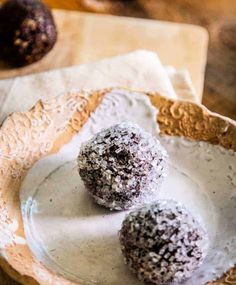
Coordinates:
76 238
56 235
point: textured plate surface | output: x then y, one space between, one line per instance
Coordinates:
27 137
70 234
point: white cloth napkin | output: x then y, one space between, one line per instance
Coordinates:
138 70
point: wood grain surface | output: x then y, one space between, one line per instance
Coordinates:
217 16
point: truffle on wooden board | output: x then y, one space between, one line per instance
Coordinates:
122 166
163 242
27 31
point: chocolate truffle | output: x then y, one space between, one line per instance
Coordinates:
27 31
163 242
122 166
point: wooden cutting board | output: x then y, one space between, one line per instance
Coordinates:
85 37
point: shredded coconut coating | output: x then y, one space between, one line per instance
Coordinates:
163 242
122 166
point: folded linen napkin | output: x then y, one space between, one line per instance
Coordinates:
138 70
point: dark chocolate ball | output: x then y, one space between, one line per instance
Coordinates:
122 166
27 31
163 242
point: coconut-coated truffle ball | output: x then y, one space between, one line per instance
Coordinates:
163 242
27 31
122 166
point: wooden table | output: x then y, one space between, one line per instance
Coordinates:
217 16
